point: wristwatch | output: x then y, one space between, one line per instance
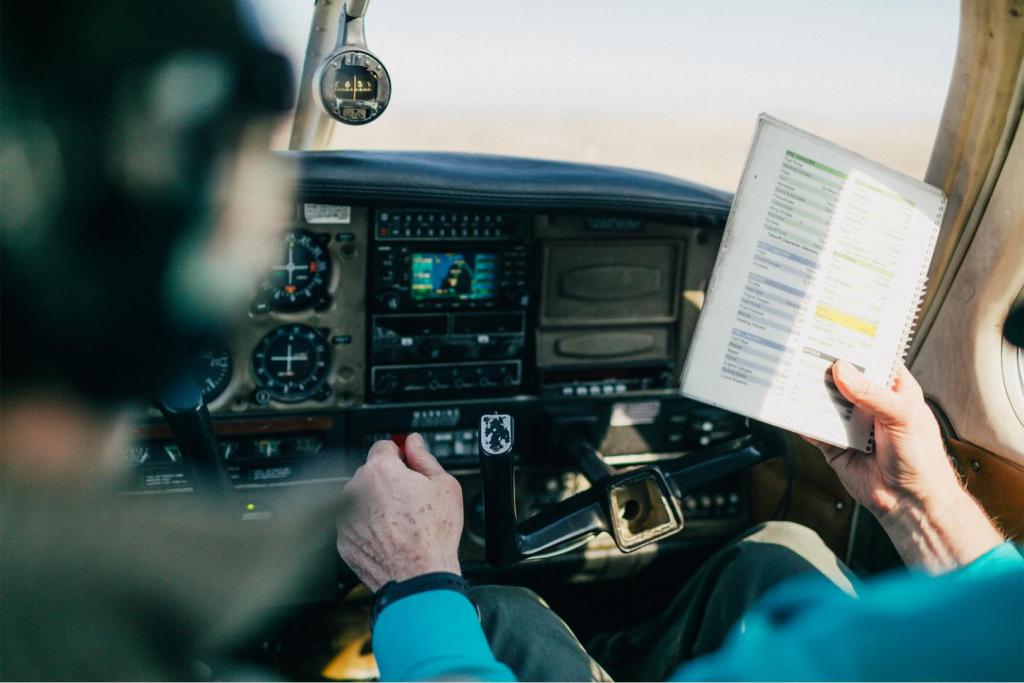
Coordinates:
393 591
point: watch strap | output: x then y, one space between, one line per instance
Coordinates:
394 591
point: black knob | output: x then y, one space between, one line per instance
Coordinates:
386 383
509 350
430 349
390 301
520 297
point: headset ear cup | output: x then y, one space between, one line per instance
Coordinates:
118 184
82 308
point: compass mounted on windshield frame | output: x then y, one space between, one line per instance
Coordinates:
353 86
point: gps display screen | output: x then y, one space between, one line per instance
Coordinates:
454 275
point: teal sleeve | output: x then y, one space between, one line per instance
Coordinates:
434 635
966 625
1000 558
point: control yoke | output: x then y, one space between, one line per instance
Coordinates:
636 506
186 413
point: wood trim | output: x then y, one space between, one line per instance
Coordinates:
997 483
254 428
818 499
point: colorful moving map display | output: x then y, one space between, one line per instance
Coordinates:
465 276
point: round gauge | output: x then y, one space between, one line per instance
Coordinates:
354 87
300 277
211 369
290 363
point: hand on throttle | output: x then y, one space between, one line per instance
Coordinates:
401 515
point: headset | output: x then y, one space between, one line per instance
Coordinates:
114 116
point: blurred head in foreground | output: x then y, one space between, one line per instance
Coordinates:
138 203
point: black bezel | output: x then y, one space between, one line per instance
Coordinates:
316 293
319 375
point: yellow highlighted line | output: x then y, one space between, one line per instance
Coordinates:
846 320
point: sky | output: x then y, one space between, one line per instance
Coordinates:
671 85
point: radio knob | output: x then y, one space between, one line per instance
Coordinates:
387 383
520 297
389 301
510 350
430 348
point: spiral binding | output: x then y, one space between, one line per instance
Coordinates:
911 323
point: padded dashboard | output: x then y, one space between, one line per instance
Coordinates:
449 180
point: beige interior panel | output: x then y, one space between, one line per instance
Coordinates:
983 107
343 318
960 362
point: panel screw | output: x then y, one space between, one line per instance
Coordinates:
976 466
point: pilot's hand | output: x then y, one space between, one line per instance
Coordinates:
909 463
402 515
908 483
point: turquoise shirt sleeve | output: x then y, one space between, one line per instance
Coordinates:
1002 557
434 635
965 625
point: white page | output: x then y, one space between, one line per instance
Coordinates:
823 257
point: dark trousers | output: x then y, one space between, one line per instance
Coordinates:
538 646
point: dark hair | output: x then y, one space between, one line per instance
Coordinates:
113 112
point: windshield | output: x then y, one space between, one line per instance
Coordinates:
662 85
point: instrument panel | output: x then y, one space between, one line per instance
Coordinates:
367 307
300 346
373 322
416 291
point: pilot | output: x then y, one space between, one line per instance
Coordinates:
115 250
776 604
132 218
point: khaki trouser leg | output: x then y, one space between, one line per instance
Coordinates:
538 646
530 638
715 599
